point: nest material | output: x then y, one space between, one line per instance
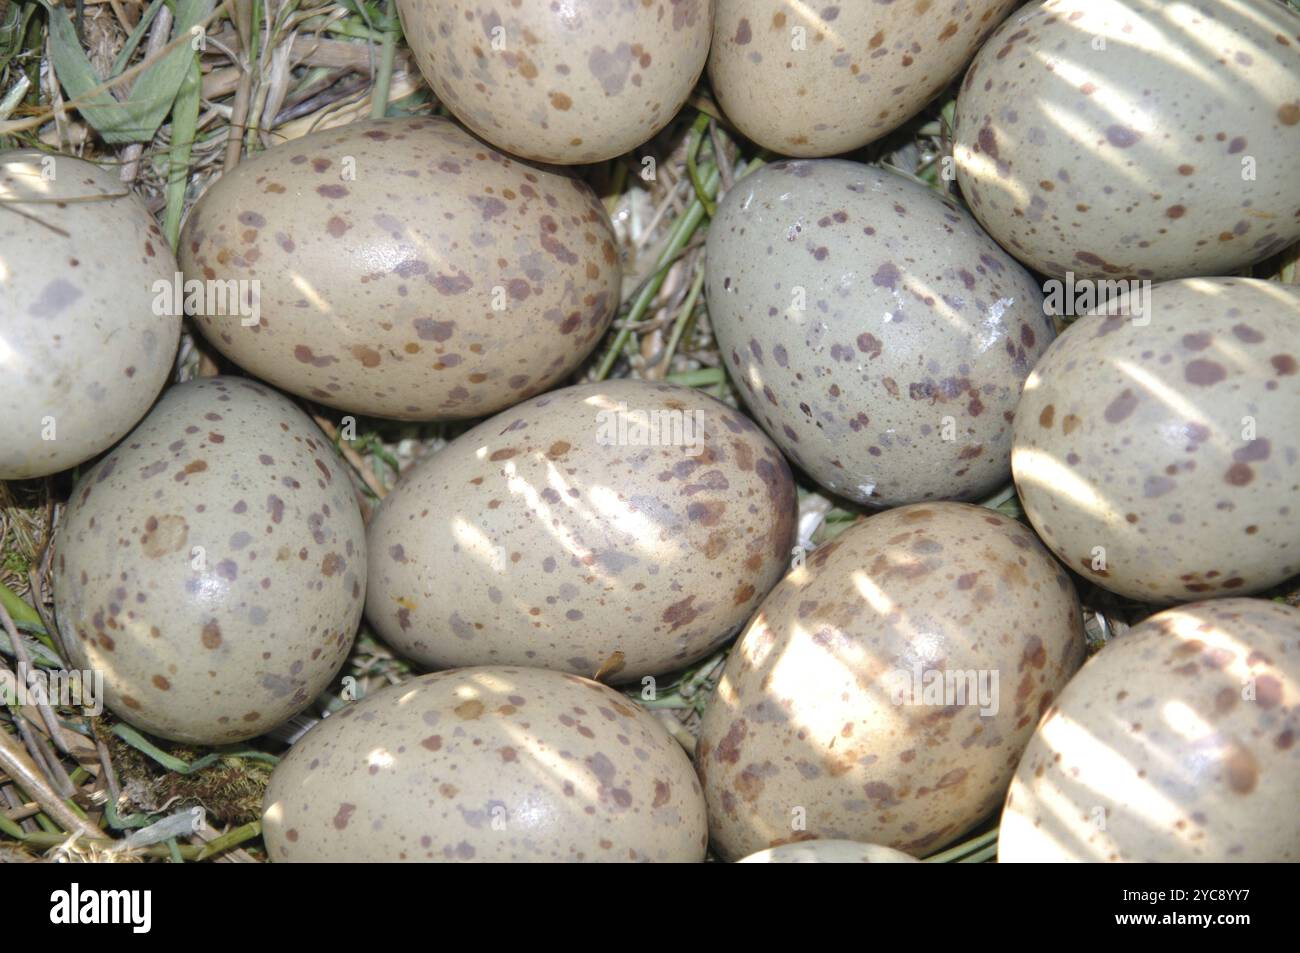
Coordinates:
316 67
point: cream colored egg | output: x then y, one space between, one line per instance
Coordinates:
85 320
625 528
402 269
1136 138
213 566
571 82
1158 453
885 690
1175 744
488 765
828 852
817 79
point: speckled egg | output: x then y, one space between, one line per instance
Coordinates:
1158 453
1136 138
808 80
80 318
1175 744
829 852
406 270
490 765
622 528
875 331
213 566
885 690
579 81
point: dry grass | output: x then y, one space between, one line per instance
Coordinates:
274 70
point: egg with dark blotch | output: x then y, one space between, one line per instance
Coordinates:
1135 138
487 765
817 81
622 528
1175 744
572 82
888 373
404 270
1157 450
213 566
84 320
828 852
885 689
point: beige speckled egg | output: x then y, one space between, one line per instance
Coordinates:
1159 454
487 764
828 852
578 81
79 321
878 335
1175 744
406 270
885 690
622 528
1136 138
213 565
818 79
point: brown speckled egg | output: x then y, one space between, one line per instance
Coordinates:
621 528
885 690
828 852
1136 138
578 81
406 269
489 765
875 331
816 80
1175 744
213 566
1159 454
80 322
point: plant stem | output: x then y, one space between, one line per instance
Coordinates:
384 74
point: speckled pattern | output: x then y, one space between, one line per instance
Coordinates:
443 280
829 852
806 717
1175 744
898 380
1127 161
571 82
527 541
490 765
1174 446
816 79
77 322
213 565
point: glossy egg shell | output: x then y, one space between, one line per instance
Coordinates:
547 537
406 270
828 852
213 566
825 724
1158 453
817 80
572 82
1136 138
1175 744
888 370
80 318
488 765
